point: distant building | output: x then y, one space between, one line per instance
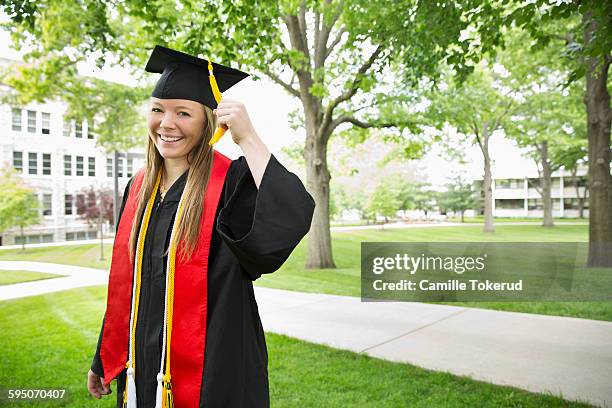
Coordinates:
517 196
57 158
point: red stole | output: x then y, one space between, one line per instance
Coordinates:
190 300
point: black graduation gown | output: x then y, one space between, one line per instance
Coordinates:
255 232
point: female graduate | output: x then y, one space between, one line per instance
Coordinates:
181 327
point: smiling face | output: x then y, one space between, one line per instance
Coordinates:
175 126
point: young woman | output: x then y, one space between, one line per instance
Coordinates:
181 326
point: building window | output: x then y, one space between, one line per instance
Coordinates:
90 129
32 163
80 201
509 183
16 122
120 167
68 204
575 182
78 129
79 165
130 167
67 165
47 204
18 161
46 164
534 204
534 183
509 204
92 166
46 123
574 204
109 167
67 127
555 183
31 121
70 236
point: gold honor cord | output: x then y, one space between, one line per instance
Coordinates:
217 94
167 398
139 255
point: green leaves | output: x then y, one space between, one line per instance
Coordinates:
18 205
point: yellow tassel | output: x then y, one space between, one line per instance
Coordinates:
213 83
218 135
124 405
167 399
217 94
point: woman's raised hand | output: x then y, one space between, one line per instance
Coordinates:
233 115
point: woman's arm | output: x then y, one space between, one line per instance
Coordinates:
233 114
257 156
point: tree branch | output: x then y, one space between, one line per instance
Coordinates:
304 29
498 120
288 86
359 123
296 36
317 30
349 93
335 42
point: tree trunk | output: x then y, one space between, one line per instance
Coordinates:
317 181
582 199
579 197
599 120
546 185
22 238
487 182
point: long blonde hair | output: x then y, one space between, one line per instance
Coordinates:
200 160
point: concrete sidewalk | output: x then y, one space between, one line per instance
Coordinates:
76 277
568 357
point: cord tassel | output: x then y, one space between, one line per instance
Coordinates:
159 392
129 399
168 400
217 94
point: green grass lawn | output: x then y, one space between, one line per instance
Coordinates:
345 279
475 220
48 342
10 277
480 219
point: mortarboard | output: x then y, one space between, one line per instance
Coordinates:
184 76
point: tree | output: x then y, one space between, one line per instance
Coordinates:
334 56
414 195
96 207
384 201
476 108
458 197
547 121
589 50
19 206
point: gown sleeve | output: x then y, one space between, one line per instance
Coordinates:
96 365
263 226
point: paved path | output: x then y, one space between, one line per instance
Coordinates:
565 356
77 277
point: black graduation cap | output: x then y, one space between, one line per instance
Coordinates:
187 77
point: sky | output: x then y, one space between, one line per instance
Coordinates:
269 106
